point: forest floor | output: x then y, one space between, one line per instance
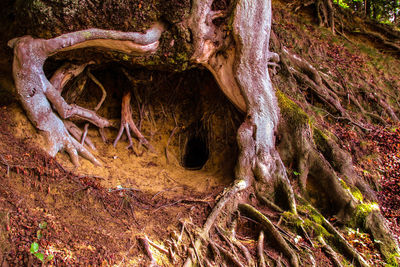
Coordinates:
96 215
98 220
86 220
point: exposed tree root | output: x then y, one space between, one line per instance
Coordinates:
271 231
145 243
127 124
260 250
349 250
324 10
36 91
66 73
232 257
238 58
391 45
77 133
330 252
59 79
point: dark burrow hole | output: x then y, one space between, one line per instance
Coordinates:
196 152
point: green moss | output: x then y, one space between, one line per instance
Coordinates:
182 57
391 260
321 140
39 4
344 185
355 192
87 34
292 219
125 57
316 228
303 208
291 112
313 225
361 213
316 217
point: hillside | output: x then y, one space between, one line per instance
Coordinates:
338 96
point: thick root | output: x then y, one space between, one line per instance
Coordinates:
35 90
60 139
272 232
342 243
66 73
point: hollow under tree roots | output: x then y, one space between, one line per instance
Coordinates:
239 63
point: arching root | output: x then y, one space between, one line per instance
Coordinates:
37 92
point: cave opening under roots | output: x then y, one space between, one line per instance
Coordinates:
196 151
185 118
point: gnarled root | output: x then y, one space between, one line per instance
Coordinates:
127 124
324 9
36 91
59 79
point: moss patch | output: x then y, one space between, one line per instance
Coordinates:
291 112
361 212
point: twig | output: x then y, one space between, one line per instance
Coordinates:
122 188
217 254
167 189
145 244
164 250
91 176
224 237
232 257
329 252
182 201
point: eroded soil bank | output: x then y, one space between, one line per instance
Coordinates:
95 214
